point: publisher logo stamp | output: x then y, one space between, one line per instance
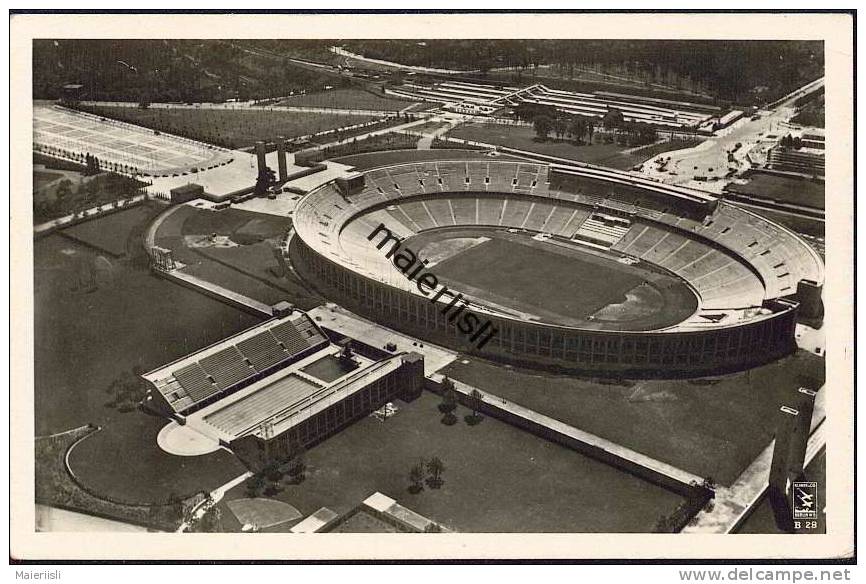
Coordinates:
805 500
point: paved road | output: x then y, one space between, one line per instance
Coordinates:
710 158
344 53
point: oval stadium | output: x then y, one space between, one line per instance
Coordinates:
574 267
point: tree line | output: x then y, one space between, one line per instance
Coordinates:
547 120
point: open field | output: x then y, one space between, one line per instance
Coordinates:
43 178
346 99
523 138
714 427
245 264
497 477
85 339
110 233
379 143
782 189
231 128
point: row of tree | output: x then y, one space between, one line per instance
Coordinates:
791 143
547 120
731 70
434 469
450 400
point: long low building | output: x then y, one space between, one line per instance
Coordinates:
277 387
462 96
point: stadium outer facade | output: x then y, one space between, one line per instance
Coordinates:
730 331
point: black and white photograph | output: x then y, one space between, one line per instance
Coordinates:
308 281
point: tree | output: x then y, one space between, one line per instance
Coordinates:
542 126
209 522
126 391
64 189
435 468
265 180
474 402
560 127
449 397
613 119
416 478
254 485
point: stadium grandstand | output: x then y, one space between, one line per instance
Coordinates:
715 286
278 386
485 99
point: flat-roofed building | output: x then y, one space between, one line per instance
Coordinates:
278 387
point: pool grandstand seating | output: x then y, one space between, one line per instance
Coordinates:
235 362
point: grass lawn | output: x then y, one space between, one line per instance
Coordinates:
85 340
245 268
523 273
497 478
42 178
230 128
84 193
713 428
55 486
347 99
523 138
110 233
783 189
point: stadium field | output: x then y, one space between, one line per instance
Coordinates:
498 478
713 427
561 285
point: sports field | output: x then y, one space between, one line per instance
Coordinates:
497 478
563 285
245 263
526 275
346 99
231 128
713 427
